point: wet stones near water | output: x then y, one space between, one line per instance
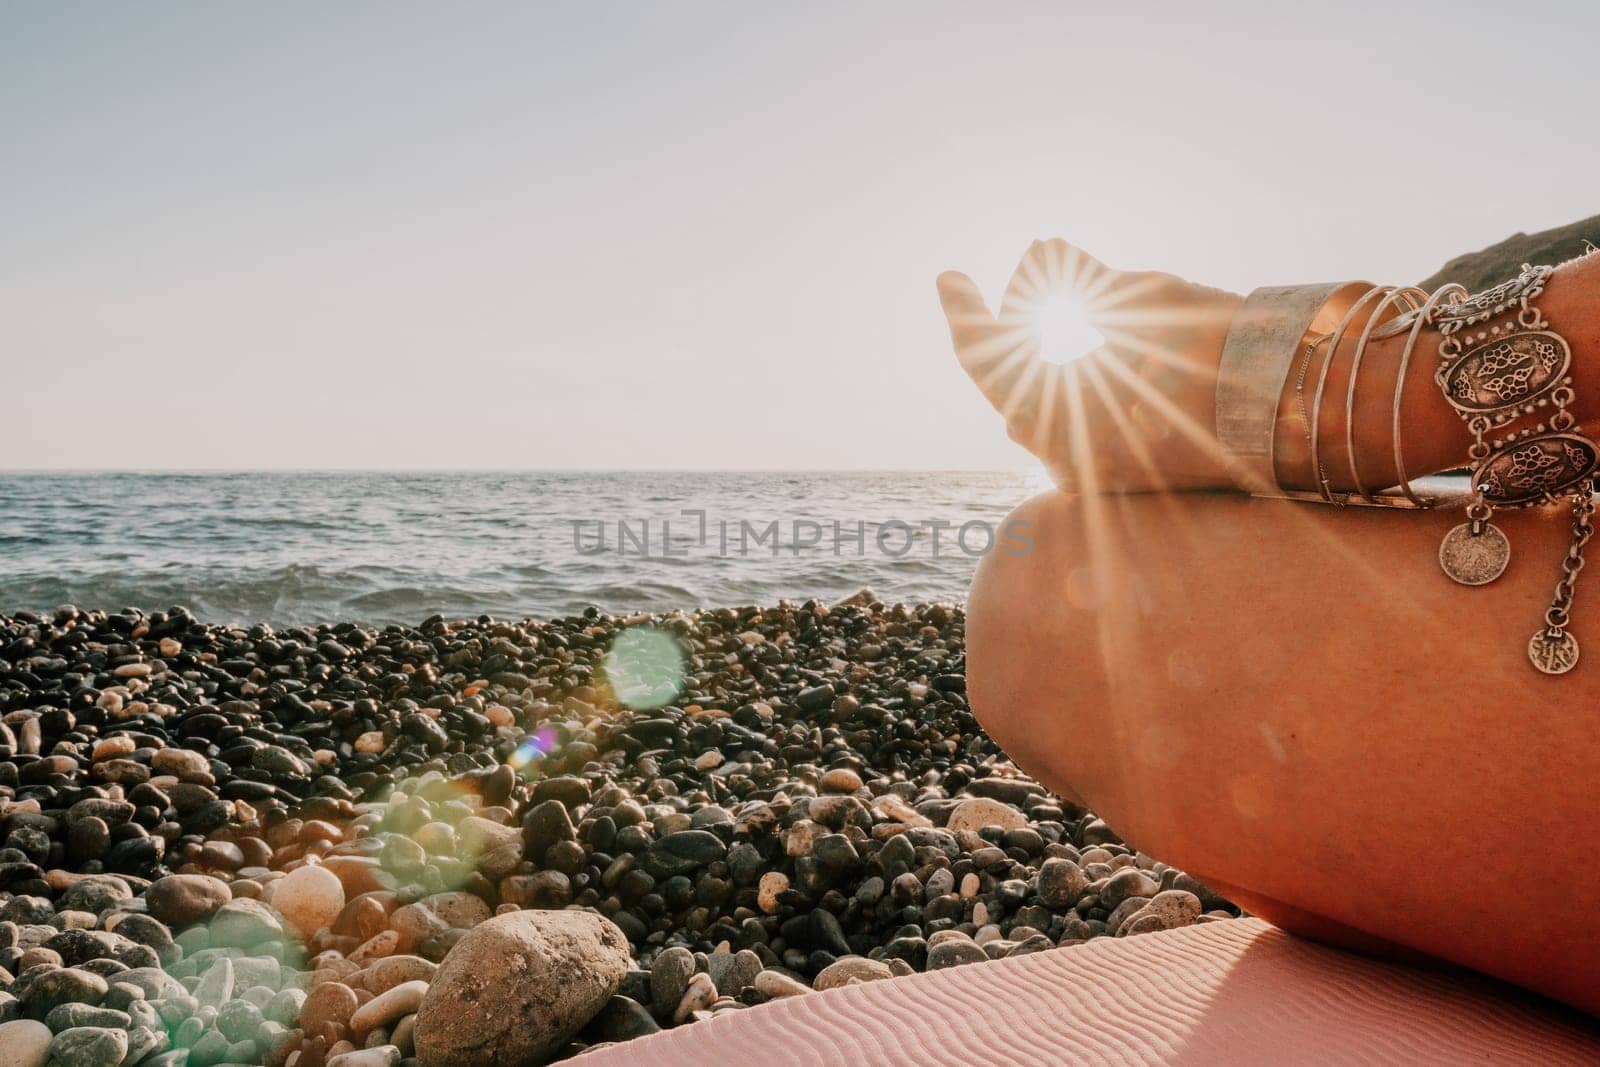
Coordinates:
236 845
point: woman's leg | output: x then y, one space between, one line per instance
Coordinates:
1296 706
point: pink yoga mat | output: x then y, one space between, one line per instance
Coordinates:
1235 993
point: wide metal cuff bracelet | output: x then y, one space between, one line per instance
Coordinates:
1268 331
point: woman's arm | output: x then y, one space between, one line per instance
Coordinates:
1139 414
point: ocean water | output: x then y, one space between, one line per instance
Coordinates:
294 548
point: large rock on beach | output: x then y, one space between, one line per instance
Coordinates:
518 986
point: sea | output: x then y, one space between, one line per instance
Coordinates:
301 548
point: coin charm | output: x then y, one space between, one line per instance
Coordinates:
1474 558
1553 651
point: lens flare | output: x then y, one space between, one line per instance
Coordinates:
539 744
1063 326
644 668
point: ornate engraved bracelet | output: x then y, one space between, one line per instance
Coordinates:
1500 362
1493 374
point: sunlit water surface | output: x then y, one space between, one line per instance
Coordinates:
293 548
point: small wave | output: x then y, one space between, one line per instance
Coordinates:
292 548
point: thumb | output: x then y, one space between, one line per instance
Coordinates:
972 324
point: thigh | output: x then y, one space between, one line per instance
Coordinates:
1294 703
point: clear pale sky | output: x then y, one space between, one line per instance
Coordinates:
694 234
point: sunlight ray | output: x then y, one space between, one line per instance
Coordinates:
1205 440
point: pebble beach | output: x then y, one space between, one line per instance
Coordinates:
477 841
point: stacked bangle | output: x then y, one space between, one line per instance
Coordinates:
1500 363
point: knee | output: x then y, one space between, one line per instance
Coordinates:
1015 647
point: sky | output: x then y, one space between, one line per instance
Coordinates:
695 235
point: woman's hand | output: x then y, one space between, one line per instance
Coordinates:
1136 414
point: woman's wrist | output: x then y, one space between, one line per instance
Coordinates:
1432 435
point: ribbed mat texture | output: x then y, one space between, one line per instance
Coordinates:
1237 992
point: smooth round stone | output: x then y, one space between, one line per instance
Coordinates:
210 1048
112 748
378 1056
24 1043
954 953
244 923
384 943
309 898
403 856
975 813
285 1006
1125 884
391 971
144 1041
88 1046
840 780
495 849
669 977
460 910
66 1016
850 969
388 1006
776 984
415 924
1061 883
68 985
181 899
1167 910
732 971
517 987
330 1002
772 884
699 996
185 765
239 1020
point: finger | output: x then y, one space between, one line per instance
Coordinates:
971 322
995 358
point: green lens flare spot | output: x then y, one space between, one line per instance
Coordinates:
644 668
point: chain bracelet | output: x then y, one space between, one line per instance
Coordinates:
1495 373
